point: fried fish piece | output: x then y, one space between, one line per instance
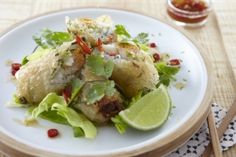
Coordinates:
105 108
134 71
91 29
102 110
49 73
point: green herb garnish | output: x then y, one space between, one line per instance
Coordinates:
95 91
50 39
99 66
166 72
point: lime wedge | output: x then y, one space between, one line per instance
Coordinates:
149 112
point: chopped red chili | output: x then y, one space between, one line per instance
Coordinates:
99 44
156 57
83 45
153 45
66 93
14 68
53 133
174 62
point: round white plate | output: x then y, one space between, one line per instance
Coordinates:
17 43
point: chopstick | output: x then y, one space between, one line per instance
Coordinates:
214 135
222 128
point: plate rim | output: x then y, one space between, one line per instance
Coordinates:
163 146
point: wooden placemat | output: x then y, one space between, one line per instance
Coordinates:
218 36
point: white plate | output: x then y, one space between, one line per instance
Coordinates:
17 43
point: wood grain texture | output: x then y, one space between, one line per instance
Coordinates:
218 36
214 135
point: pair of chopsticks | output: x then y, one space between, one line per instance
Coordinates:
216 134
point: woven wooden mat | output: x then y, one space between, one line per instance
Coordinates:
218 37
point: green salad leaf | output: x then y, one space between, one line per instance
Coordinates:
123 35
50 39
95 91
46 104
166 72
99 66
76 119
55 109
120 125
78 132
53 117
56 118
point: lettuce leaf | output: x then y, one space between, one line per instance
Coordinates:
46 104
78 132
100 66
76 119
55 109
53 117
56 118
120 125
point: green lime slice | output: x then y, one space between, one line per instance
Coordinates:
150 112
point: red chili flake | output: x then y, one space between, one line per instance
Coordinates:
109 38
66 93
174 62
83 45
156 57
153 45
53 133
99 44
14 68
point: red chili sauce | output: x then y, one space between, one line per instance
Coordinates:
188 11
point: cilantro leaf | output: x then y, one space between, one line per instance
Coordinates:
94 91
119 124
141 38
166 72
76 85
142 41
100 66
50 39
120 30
123 36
